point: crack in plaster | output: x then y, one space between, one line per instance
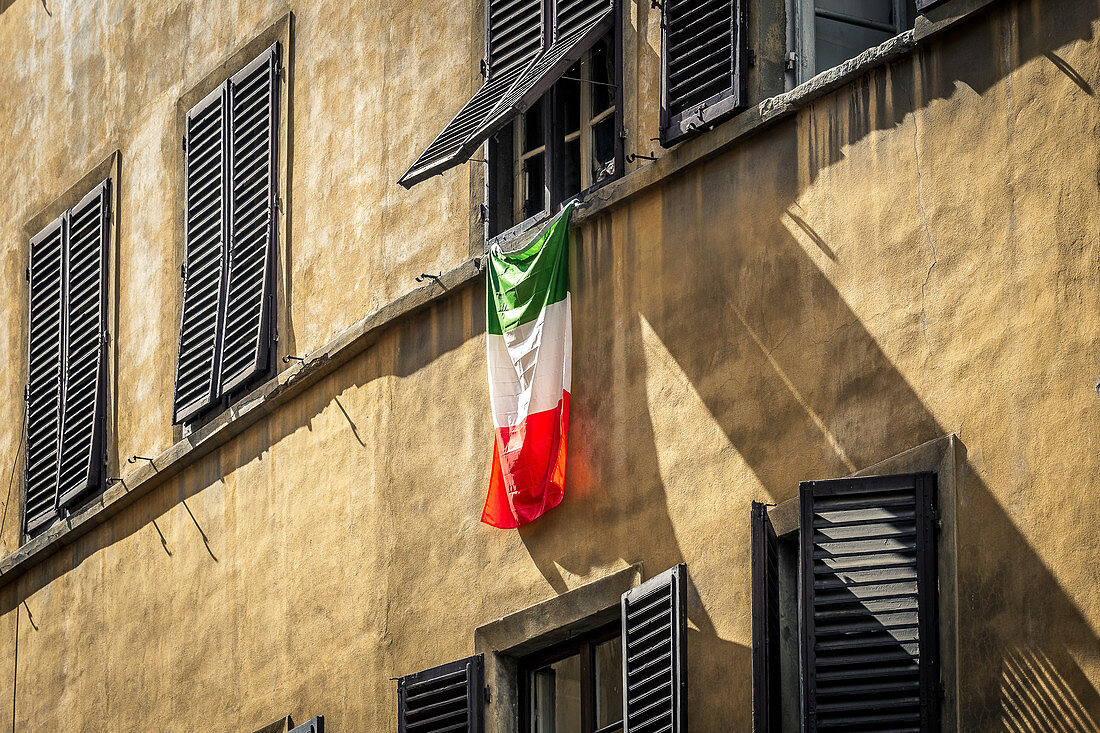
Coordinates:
927 229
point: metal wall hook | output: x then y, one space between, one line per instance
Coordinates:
638 156
135 459
288 357
428 276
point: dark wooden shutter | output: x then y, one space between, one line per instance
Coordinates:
443 699
206 231
923 5
253 121
654 617
869 638
766 699
46 274
83 446
702 63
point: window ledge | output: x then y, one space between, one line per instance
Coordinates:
262 401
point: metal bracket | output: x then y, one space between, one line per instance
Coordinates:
792 60
427 276
288 357
183 271
637 156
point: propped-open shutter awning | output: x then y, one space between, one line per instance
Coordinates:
253 100
869 642
204 257
46 271
521 69
444 699
654 617
83 445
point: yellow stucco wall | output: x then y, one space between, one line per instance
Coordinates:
913 255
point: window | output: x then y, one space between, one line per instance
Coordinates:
847 605
576 686
832 31
227 328
595 674
702 64
566 143
530 45
66 451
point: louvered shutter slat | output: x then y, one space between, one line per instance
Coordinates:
702 55
83 444
206 160
869 642
44 374
654 638
253 94
443 699
766 693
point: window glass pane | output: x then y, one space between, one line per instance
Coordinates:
837 42
879 11
534 185
609 682
603 149
602 60
555 694
572 164
534 129
569 101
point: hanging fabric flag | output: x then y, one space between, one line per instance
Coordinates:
529 340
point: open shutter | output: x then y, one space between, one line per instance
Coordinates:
702 62
514 38
522 67
253 120
766 700
868 603
445 698
654 617
46 274
83 446
206 231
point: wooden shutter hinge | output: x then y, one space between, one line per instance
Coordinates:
183 143
483 212
28 274
751 57
277 202
484 68
488 694
183 271
792 60
26 393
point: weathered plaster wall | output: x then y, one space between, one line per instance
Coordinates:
913 255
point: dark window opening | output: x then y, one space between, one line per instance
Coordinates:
575 686
563 146
834 31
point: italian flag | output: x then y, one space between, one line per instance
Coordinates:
529 340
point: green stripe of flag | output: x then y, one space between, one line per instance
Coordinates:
521 284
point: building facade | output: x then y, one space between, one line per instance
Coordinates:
247 420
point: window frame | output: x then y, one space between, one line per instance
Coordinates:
246 54
106 172
585 645
553 173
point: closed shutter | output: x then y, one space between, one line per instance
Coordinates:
253 116
766 698
443 699
523 65
654 617
869 638
204 259
83 446
702 60
46 274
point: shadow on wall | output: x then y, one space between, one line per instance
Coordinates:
794 383
798 385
